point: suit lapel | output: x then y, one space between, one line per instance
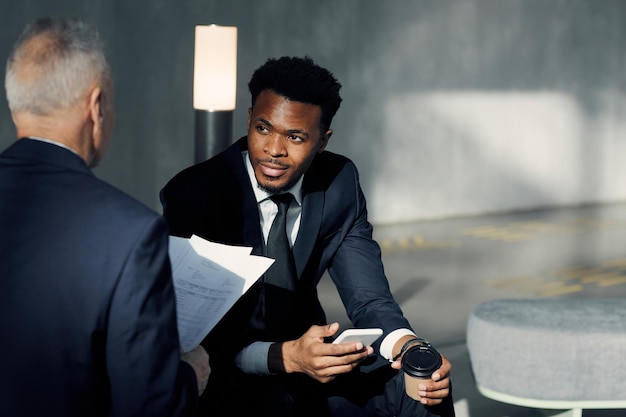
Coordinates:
311 220
249 210
251 229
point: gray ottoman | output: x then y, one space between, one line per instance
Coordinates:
557 354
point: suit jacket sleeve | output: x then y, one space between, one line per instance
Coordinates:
356 266
142 335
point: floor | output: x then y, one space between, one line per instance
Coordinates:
439 270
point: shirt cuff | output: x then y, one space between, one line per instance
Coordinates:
253 358
386 346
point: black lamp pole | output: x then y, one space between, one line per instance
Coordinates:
213 133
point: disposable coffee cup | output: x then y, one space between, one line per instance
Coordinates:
418 364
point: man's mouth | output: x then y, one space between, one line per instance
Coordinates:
271 169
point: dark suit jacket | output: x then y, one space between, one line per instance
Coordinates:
215 200
86 298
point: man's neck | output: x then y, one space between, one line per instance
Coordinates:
61 128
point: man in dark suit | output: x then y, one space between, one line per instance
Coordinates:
86 298
271 354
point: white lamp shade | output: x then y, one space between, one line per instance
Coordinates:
215 68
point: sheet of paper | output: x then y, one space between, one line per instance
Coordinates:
208 279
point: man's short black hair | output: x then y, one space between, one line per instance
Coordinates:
299 79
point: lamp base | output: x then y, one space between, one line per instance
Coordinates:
213 133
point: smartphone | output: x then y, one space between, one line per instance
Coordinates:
365 336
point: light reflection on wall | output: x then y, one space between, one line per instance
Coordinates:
470 152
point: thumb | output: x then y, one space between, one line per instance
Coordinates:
321 332
331 329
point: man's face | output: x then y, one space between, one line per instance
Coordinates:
283 138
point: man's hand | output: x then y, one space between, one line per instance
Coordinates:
435 390
322 361
199 361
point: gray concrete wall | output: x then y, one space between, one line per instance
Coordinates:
451 107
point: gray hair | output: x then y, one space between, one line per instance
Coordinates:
59 70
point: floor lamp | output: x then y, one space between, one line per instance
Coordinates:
214 88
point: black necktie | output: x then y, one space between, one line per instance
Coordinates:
282 273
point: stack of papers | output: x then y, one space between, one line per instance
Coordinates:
208 279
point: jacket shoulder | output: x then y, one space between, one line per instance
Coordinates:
329 167
215 172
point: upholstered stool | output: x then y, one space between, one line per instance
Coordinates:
550 354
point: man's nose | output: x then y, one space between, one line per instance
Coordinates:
275 146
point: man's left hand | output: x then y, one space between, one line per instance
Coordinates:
433 391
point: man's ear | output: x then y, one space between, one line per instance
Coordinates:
95 115
95 107
324 140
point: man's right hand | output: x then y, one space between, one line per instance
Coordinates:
322 361
199 361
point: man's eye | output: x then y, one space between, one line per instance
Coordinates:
261 128
295 138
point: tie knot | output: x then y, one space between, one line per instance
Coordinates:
282 200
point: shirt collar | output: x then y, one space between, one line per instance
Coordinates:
260 194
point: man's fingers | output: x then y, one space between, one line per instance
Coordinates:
321 332
326 356
343 349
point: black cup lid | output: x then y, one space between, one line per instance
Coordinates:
421 361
